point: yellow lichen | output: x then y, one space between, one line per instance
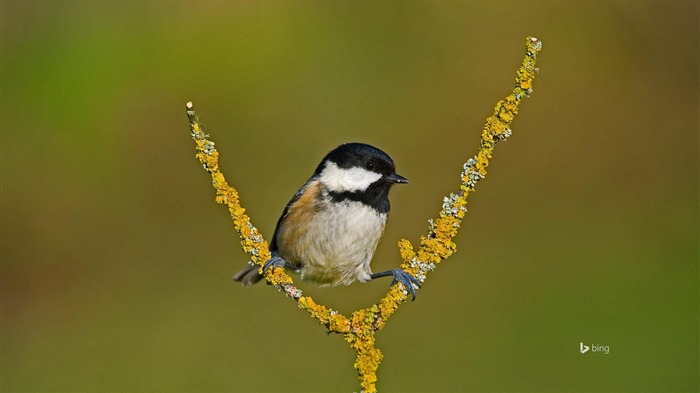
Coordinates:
361 338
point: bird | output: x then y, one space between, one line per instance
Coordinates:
330 229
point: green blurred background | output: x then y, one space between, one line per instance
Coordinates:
117 263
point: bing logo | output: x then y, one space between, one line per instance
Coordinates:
593 348
584 348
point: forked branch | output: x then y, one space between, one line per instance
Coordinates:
360 327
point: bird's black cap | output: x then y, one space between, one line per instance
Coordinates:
349 155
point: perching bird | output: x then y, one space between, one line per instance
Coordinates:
330 229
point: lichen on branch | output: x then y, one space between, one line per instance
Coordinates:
437 244
360 328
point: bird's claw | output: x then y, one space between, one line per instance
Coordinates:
407 280
274 262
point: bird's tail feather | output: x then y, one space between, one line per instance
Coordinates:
248 276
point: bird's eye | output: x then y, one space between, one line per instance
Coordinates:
369 165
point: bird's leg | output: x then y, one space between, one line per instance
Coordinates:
402 276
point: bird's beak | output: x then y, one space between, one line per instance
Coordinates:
394 178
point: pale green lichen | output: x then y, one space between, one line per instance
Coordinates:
359 330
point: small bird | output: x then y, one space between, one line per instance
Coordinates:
330 229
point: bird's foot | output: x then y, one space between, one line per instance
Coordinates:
273 262
405 278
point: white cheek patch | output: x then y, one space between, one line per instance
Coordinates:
341 180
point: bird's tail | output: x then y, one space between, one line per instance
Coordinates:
248 276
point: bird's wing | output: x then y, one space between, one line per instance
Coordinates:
273 245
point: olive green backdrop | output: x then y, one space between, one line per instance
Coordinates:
117 263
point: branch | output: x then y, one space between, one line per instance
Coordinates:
438 245
359 329
251 239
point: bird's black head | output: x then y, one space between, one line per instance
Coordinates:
359 172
